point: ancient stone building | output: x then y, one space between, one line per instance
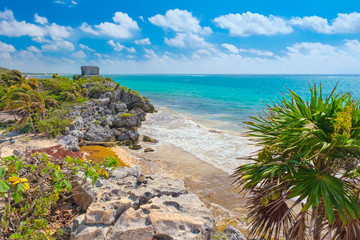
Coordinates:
88 71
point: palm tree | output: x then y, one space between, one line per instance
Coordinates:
26 103
303 183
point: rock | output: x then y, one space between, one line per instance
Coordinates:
119 107
77 124
130 205
80 231
97 133
138 112
108 121
130 99
126 120
67 131
102 102
70 142
128 135
135 147
78 134
19 153
149 139
234 234
148 149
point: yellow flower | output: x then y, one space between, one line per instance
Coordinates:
26 186
16 180
58 168
103 172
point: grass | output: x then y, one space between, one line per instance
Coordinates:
98 153
127 115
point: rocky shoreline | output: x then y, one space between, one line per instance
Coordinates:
111 117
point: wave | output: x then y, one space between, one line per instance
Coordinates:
222 149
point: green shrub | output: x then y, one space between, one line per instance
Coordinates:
25 129
32 186
81 99
52 126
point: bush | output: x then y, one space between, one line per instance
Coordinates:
53 126
31 187
98 153
25 129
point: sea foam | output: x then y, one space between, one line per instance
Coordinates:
224 150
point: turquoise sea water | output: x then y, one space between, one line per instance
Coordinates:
191 107
226 101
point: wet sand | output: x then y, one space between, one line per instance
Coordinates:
212 185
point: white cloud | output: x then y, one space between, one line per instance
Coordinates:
343 23
311 48
247 24
79 54
145 41
10 27
73 2
231 48
187 40
4 47
33 49
131 50
353 45
58 46
116 46
121 28
149 53
41 20
59 2
179 21
82 46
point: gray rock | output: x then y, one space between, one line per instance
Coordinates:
125 120
130 99
67 131
102 102
128 135
80 231
233 234
98 133
75 114
70 142
138 112
77 124
108 121
119 107
78 134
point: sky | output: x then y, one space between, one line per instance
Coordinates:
181 36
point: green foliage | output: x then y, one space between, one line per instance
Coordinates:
53 125
99 89
25 129
32 186
126 114
310 153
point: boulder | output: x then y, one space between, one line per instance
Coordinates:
130 99
98 133
77 124
138 112
108 121
126 120
233 234
78 134
102 102
70 142
149 139
130 205
148 149
119 107
135 147
128 135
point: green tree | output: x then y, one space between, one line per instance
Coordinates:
303 183
25 104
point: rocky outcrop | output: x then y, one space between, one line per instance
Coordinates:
130 205
114 116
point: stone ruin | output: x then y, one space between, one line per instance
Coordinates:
88 71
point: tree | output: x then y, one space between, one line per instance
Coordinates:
310 161
26 103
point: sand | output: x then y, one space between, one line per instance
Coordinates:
11 141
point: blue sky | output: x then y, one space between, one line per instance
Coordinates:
174 37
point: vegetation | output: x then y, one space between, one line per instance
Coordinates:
98 153
30 188
44 103
127 115
309 161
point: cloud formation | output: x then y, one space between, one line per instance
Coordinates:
247 24
144 41
179 21
122 27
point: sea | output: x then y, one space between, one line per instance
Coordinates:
205 115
